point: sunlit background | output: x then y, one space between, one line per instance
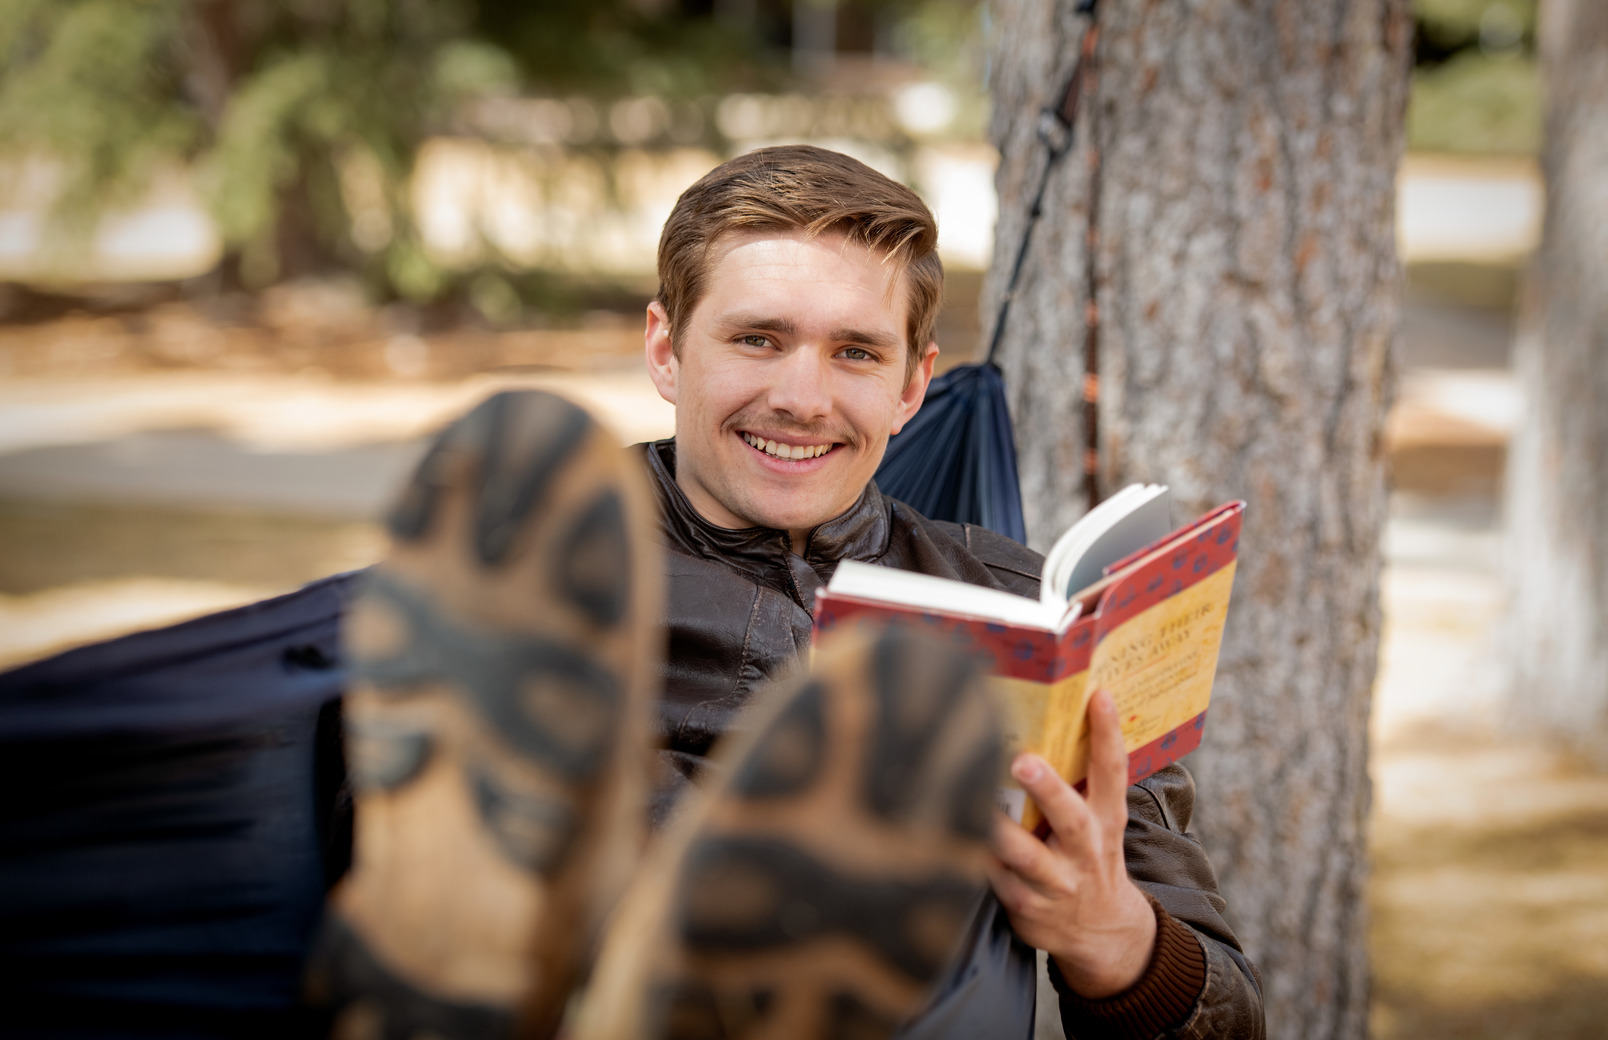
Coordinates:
250 253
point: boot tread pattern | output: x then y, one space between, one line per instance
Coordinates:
792 752
389 1007
531 831
594 564
509 486
495 670
910 716
519 528
387 754
760 912
809 899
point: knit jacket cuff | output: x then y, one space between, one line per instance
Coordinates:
1161 1000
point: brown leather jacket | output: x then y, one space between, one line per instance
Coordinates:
739 615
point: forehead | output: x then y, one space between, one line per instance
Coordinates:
825 274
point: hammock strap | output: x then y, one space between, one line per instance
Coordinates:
1091 315
1056 132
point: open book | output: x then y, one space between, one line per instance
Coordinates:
1126 604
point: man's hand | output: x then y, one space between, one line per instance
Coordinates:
1070 895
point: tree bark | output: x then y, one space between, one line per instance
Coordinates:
1557 475
1242 158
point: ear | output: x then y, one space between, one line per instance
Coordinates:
662 362
915 390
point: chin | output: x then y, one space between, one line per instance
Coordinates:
795 520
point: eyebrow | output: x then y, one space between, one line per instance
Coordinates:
787 327
759 324
883 340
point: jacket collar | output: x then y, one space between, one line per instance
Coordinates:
861 533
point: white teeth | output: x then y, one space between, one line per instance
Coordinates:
787 451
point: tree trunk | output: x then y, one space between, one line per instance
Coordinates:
1557 486
1241 159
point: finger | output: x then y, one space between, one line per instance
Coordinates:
1022 854
1068 814
1014 894
1108 762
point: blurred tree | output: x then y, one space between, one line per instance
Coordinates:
1233 171
302 118
1557 471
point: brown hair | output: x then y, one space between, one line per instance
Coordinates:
791 188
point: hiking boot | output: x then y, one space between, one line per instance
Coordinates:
503 656
824 881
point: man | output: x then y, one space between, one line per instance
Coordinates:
793 331
505 665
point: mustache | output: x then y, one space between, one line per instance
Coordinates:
785 425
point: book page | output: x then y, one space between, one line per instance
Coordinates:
925 592
1131 519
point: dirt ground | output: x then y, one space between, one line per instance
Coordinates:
1490 891
1489 895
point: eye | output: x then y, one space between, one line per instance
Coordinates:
855 354
753 339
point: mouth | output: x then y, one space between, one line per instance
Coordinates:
790 452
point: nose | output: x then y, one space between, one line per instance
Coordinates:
803 386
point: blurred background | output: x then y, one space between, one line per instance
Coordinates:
252 252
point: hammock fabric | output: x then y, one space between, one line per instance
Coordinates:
956 459
172 813
173 808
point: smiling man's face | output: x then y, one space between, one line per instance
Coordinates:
792 375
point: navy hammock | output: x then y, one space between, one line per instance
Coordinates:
172 809
956 459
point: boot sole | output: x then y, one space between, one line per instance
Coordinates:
502 657
821 888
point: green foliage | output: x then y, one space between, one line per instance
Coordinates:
1475 86
270 101
1477 103
469 68
88 83
302 119
945 37
1453 24
614 48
